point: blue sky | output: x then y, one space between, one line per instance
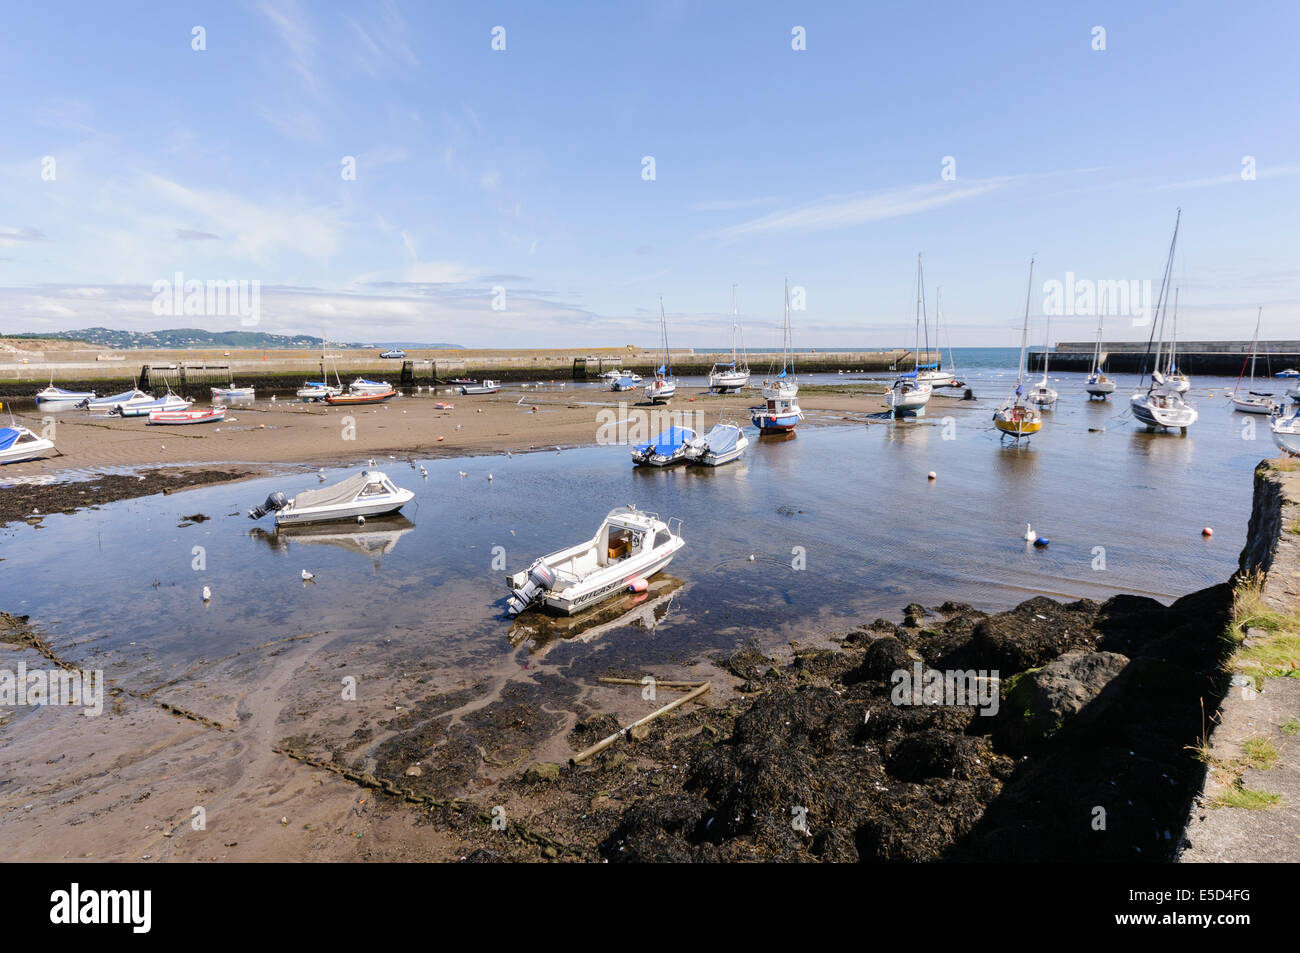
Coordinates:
523 168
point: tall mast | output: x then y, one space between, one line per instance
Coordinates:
1101 316
785 334
1173 337
1254 347
916 361
1024 333
666 366
733 325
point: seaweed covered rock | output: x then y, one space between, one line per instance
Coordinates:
664 829
883 657
933 753
1030 635
1072 692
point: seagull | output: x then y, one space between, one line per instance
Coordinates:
461 472
489 478
751 557
207 594
1030 535
308 576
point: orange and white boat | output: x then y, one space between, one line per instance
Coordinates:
349 399
180 417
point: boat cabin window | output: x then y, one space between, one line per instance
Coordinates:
374 489
25 438
662 537
622 543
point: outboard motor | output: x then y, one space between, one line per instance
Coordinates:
274 503
540 578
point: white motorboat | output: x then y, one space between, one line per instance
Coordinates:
783 385
126 398
1162 404
630 547
665 450
1286 431
722 444
143 408
909 393
664 386
368 493
17 444
732 375
56 396
363 385
1016 418
625 380
487 387
1253 401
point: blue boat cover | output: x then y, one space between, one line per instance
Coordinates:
926 367
669 441
7 437
909 374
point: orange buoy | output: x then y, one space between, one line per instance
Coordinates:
933 475
440 440
638 585
1207 532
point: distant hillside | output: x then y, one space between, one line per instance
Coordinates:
196 338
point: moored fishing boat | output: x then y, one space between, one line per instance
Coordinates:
1016 418
664 386
368 493
780 415
181 417
722 444
18 444
731 376
487 387
630 546
667 449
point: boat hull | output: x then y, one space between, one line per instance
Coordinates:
20 452
660 393
588 593
727 383
348 400
1261 406
1166 417
775 423
1287 437
1017 428
178 418
391 504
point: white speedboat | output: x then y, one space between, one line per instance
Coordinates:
1253 401
143 408
630 547
1286 432
54 396
731 376
17 444
665 450
368 493
364 386
318 390
487 387
722 444
126 398
624 381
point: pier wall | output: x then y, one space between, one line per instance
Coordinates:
1219 358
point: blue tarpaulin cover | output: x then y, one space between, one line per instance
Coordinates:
669 441
7 437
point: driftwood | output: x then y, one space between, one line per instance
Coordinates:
679 686
699 689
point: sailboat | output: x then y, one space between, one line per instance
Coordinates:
784 385
1162 404
725 378
1016 418
1041 393
930 373
910 394
1254 402
1176 378
319 390
1098 384
664 385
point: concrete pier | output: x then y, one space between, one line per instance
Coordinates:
1221 358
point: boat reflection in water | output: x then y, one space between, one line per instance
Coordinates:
541 632
375 538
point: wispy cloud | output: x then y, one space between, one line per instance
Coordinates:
858 208
1265 172
193 235
21 236
291 22
383 40
730 205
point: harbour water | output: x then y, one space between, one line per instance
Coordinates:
803 537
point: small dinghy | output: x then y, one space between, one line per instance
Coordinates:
722 444
368 493
145 408
181 417
17 444
487 387
126 398
630 546
665 450
347 400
